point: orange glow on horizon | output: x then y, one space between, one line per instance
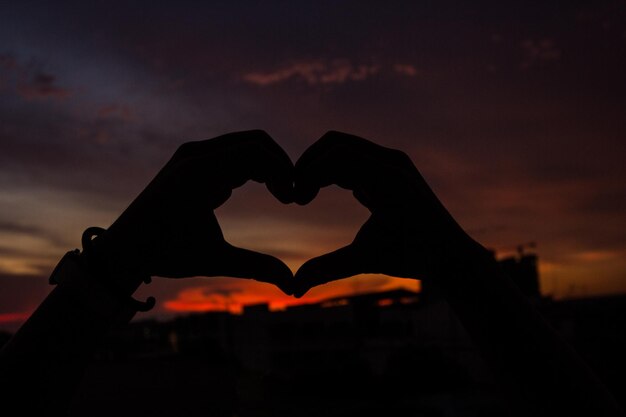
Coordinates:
13 317
234 307
201 299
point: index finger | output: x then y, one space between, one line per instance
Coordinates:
376 174
238 157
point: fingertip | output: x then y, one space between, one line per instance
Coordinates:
306 278
284 277
299 292
283 191
304 272
311 274
244 263
282 271
300 286
258 134
332 266
303 194
332 135
286 288
304 198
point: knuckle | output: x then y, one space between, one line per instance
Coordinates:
333 136
185 149
401 157
256 140
254 134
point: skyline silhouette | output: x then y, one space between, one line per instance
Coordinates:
365 346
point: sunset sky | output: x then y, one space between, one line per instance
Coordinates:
514 112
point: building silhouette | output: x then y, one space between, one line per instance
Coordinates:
396 351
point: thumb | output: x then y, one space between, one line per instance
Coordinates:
332 266
244 263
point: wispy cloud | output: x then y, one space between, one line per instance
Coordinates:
314 72
406 69
29 80
41 86
204 298
116 111
30 230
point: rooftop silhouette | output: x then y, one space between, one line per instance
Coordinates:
369 342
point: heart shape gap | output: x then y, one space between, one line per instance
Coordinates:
253 219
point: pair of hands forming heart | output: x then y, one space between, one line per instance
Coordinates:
170 229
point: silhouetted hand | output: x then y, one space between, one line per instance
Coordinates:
409 232
170 229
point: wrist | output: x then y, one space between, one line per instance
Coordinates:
75 277
118 274
460 258
115 262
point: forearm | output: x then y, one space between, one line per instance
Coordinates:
540 368
43 363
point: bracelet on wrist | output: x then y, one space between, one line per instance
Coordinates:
87 276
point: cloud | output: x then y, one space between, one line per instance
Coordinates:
7 62
41 86
315 72
326 72
206 298
598 255
371 283
405 69
72 149
30 230
116 111
29 80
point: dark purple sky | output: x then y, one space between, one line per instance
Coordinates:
513 111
